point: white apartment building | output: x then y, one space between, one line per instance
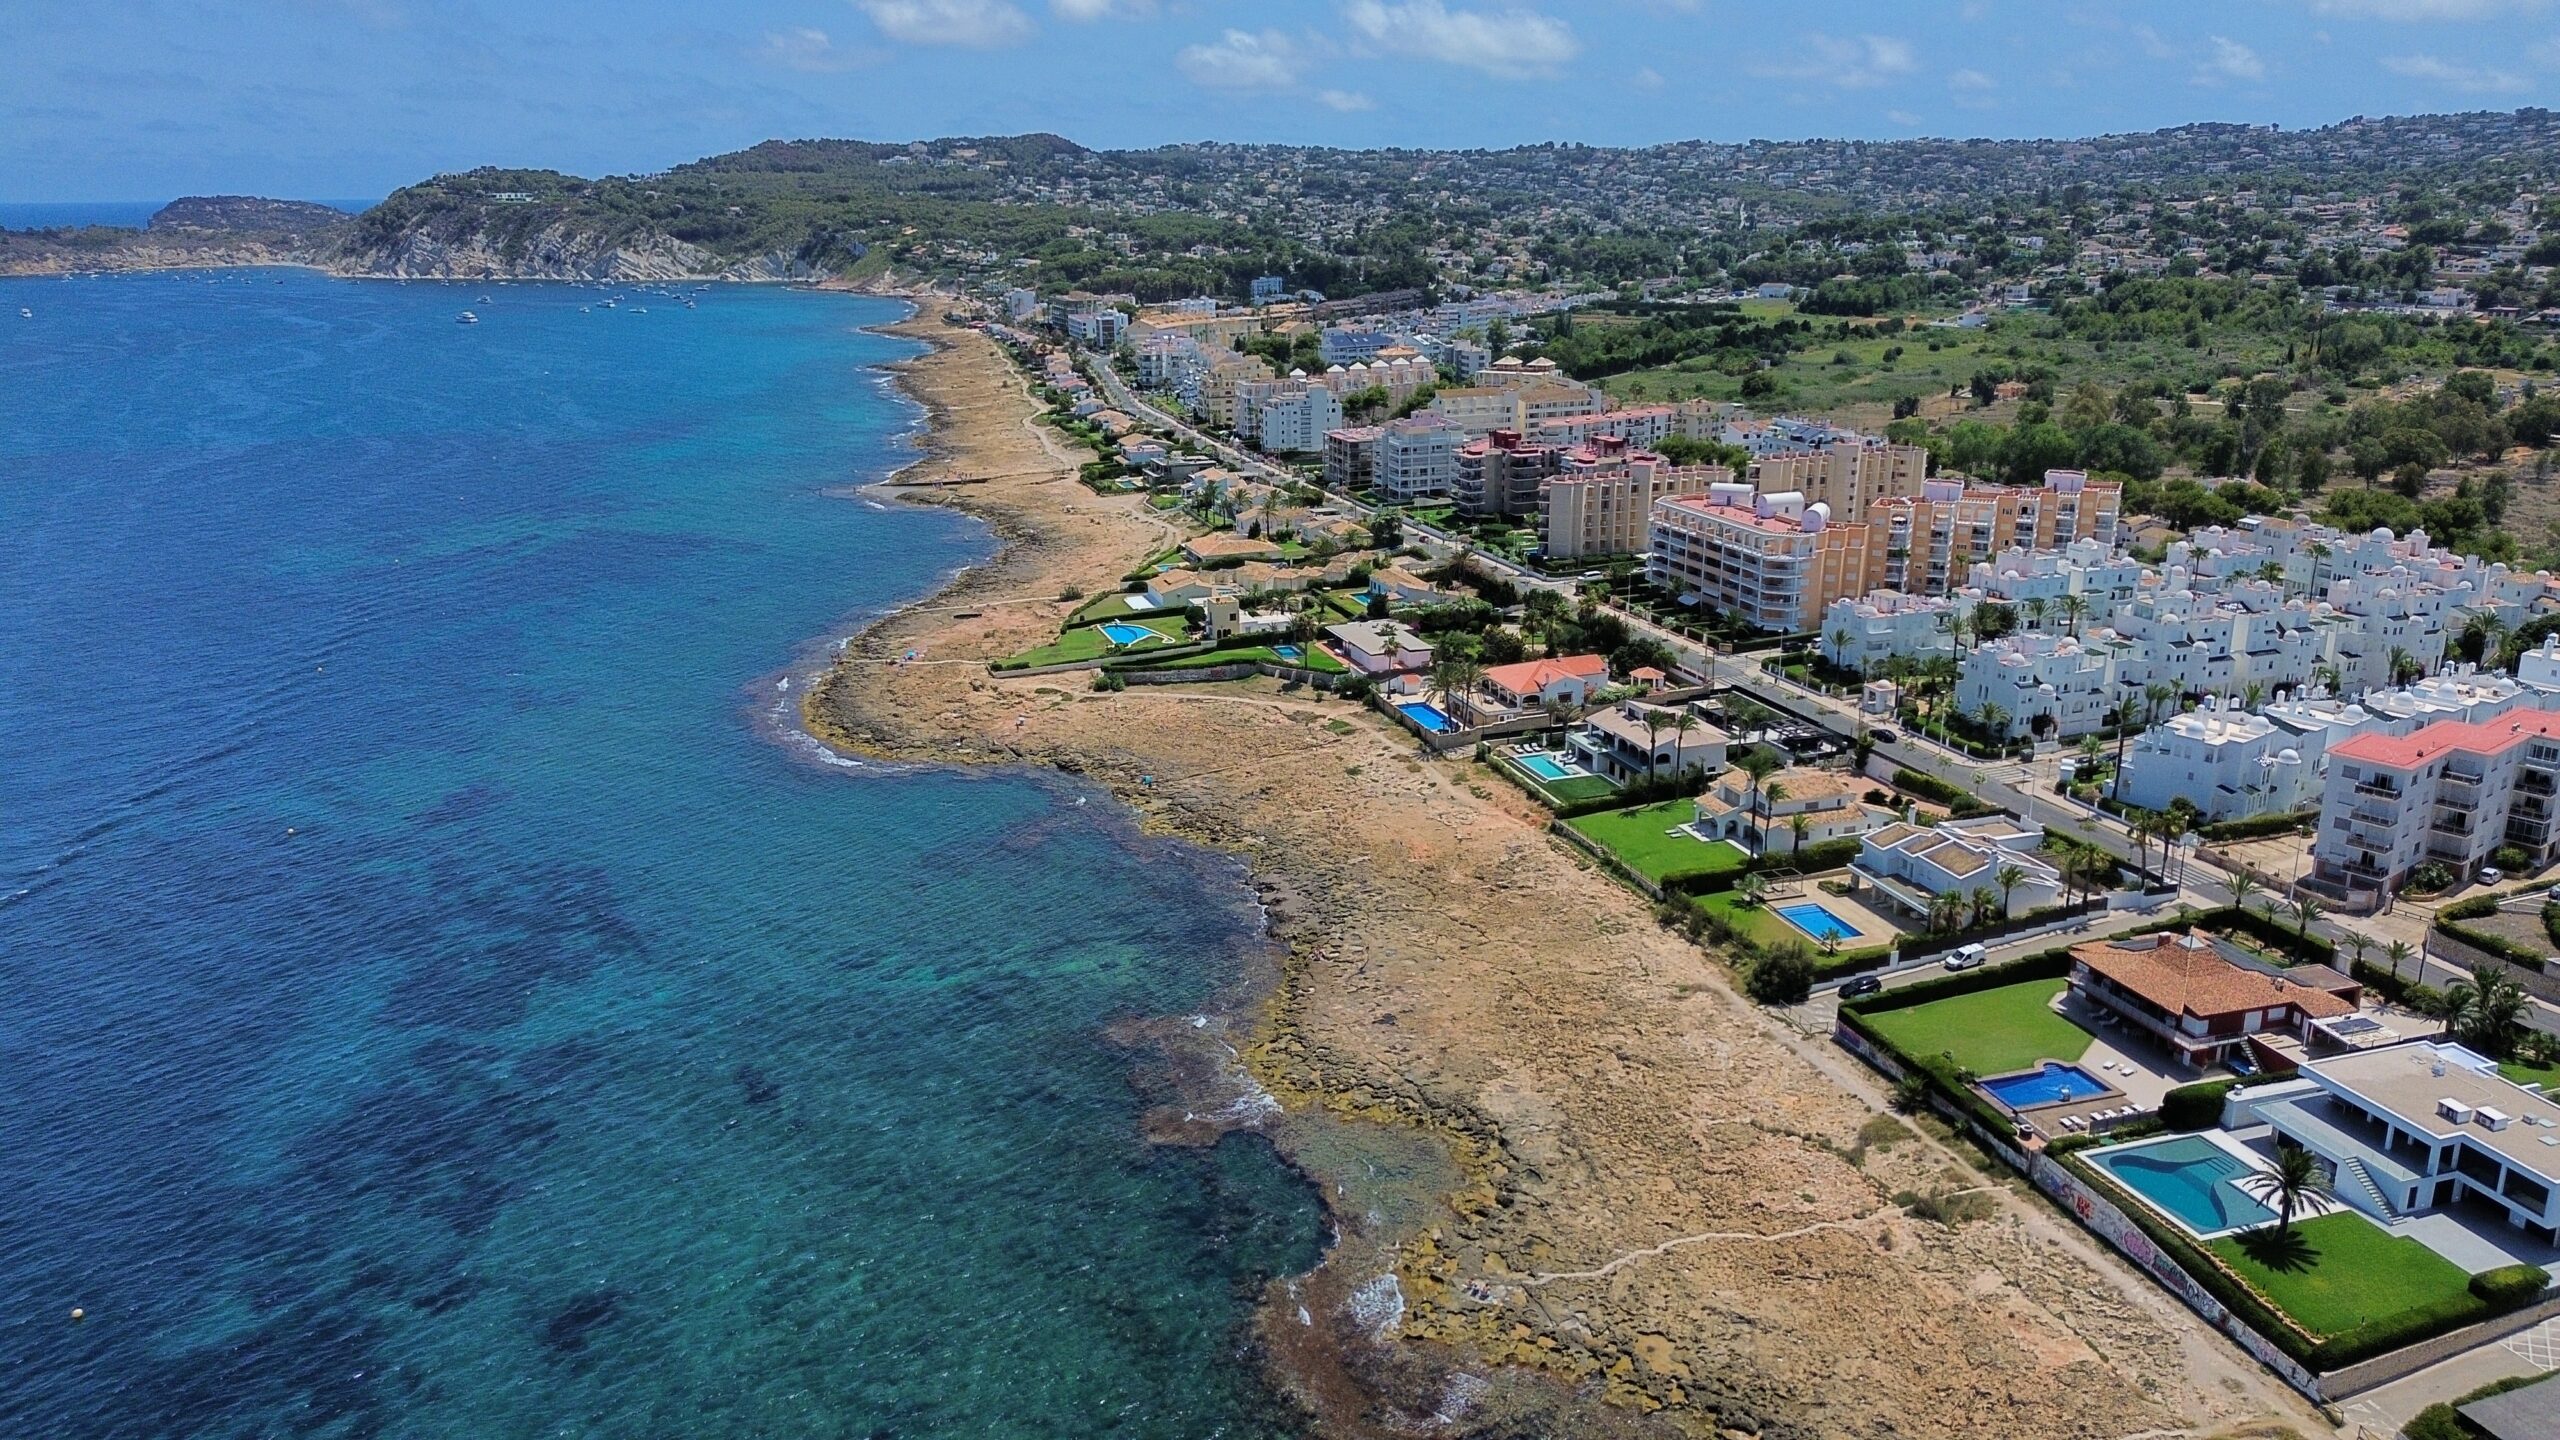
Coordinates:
1417 459
1100 328
1862 632
2229 763
2051 686
1287 417
2453 791
2089 569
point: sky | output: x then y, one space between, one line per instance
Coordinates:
337 99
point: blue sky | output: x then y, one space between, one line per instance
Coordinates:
144 99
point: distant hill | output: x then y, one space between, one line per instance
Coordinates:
246 214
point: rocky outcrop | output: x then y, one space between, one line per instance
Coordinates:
559 252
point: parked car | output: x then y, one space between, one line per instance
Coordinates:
1965 957
1863 985
2489 875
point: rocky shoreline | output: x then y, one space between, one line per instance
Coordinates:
1580 1187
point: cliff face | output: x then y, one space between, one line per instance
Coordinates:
556 252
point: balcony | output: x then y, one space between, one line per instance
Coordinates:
2379 789
2461 828
2374 815
2531 781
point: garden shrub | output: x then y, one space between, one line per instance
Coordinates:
2511 1287
1783 976
2195 1107
2258 826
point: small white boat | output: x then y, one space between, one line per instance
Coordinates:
26 314
639 309
466 318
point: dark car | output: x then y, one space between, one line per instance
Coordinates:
1863 985
1884 737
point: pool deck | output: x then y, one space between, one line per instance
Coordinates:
1873 929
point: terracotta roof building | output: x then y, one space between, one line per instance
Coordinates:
2204 997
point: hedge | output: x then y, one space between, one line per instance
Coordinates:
2402 990
2511 1287
2195 1107
2257 926
1959 801
2259 826
2443 1420
2480 907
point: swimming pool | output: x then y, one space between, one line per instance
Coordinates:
1119 634
2049 1086
1817 922
1548 767
1287 652
2189 1177
1429 716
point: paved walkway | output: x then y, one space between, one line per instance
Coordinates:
2382 1410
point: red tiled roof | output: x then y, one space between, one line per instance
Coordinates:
2484 737
1530 675
2185 974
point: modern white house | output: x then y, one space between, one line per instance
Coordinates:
1633 741
1379 647
1762 820
1914 866
2416 1127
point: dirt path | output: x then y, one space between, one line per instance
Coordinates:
1659 1195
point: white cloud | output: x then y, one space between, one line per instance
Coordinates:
805 48
1345 101
1646 78
1242 60
2480 81
1506 42
1971 80
1852 62
1083 11
978 24
2152 44
2229 61
2416 10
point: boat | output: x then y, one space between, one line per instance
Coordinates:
639 309
26 314
466 318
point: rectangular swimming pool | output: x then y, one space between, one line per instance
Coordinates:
1429 716
2051 1085
1120 634
1548 767
2190 1178
1287 652
1817 922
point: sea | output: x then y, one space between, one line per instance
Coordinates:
441 994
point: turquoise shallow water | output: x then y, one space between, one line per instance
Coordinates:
434 1001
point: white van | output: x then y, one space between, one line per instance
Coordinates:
1965 957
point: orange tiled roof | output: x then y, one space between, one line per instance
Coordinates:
2186 975
1528 675
2484 737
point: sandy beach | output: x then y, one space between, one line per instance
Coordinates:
1582 1187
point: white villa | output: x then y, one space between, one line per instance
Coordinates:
1914 866
1379 647
1633 741
1764 822
2420 1126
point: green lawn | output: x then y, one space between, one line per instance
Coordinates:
1642 838
2547 1076
2341 1271
1989 1031
1111 606
1087 642
1312 659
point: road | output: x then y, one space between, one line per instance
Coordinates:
2012 785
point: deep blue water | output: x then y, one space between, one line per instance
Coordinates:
435 1001
46 214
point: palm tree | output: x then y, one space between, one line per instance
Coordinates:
1759 762
2396 952
1995 722
1687 722
2305 910
1982 899
2035 606
2299 1177
1653 721
2159 693
2404 666
2243 885
2252 693
1840 645
1799 823
1751 888
2487 1012
1764 799
2075 605
2357 943
2008 876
